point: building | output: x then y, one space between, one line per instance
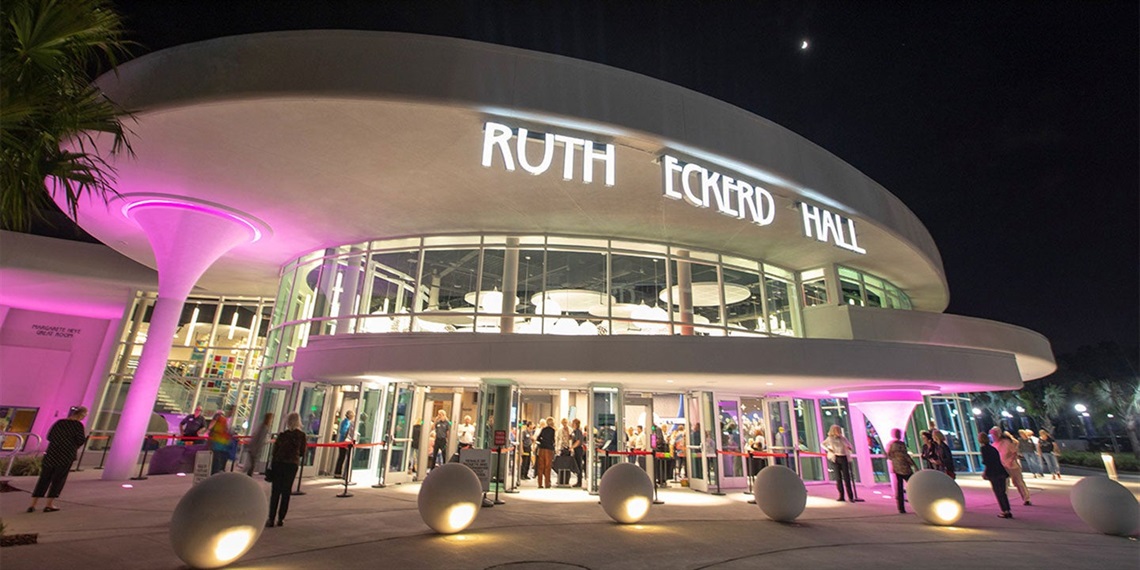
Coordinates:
400 224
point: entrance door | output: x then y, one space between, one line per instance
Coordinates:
312 400
701 442
781 431
435 401
605 420
272 400
639 416
733 471
397 463
369 430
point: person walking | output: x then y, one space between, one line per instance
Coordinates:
545 453
1007 446
839 451
65 438
257 442
286 459
1027 450
942 452
441 431
221 441
192 425
1047 446
345 433
578 449
995 473
902 464
526 443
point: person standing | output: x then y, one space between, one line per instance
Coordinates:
944 455
526 442
562 445
545 453
441 431
839 451
1047 446
1007 447
65 438
1027 449
287 454
929 451
192 425
466 431
578 449
995 473
344 434
221 441
902 464
415 451
257 442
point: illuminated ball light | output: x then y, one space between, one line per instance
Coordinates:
1106 505
450 498
218 520
935 497
780 493
626 493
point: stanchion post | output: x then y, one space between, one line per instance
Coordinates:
716 470
499 474
513 469
656 501
104 457
300 475
141 477
347 473
79 463
751 481
383 472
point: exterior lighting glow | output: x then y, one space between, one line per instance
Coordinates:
1006 414
461 515
449 498
636 507
1020 410
1081 408
976 412
625 493
232 543
948 511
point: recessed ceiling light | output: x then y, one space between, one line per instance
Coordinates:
668 381
768 383
562 379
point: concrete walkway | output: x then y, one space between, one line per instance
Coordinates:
106 525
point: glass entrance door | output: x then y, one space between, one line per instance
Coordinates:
733 469
369 429
605 418
272 400
640 419
811 467
397 465
315 406
700 444
781 431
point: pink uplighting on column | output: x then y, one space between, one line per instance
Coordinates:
187 237
886 409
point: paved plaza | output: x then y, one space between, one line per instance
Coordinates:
106 525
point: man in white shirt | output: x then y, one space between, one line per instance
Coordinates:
466 433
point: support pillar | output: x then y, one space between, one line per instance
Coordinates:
886 409
187 237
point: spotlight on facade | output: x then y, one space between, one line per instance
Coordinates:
450 498
936 498
218 520
1106 505
780 493
626 493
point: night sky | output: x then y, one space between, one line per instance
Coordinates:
1009 128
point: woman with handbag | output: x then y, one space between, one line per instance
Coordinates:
287 454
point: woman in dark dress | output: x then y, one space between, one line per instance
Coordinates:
64 438
287 454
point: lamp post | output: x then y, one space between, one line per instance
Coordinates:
1006 419
1021 416
1083 417
1112 433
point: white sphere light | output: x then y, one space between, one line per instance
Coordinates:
1106 505
218 520
450 498
935 497
626 493
780 493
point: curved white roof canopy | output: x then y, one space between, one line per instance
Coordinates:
336 137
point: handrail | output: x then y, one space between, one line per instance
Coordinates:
12 453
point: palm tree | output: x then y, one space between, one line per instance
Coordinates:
1122 399
50 113
1054 404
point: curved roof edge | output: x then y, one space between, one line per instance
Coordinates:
380 65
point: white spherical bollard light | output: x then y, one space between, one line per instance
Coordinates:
935 497
1106 505
626 493
450 498
218 520
780 493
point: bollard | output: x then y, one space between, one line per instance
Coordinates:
300 475
141 477
104 457
347 473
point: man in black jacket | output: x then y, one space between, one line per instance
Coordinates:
995 473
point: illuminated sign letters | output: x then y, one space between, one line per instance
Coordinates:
826 226
705 188
498 137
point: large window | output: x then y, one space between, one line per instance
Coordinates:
526 285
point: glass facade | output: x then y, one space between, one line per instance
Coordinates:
214 359
525 285
866 290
